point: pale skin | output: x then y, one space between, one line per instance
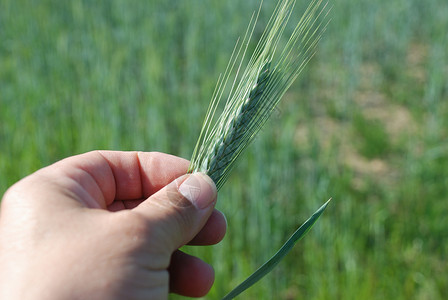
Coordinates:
107 225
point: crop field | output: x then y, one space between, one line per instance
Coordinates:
366 123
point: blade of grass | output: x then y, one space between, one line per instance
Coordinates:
281 253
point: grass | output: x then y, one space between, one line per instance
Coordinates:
374 139
96 75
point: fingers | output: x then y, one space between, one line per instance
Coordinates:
190 276
105 176
126 204
212 232
138 175
159 169
180 209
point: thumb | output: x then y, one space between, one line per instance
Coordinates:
178 211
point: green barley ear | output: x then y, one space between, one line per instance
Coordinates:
270 71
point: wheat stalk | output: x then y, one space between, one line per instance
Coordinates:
267 76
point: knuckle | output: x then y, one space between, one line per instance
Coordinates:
11 197
176 207
174 198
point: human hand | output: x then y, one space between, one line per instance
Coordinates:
108 225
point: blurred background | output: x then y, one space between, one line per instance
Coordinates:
366 124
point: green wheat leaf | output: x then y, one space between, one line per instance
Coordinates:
274 260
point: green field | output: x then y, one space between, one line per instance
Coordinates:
366 124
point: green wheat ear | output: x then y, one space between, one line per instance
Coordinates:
224 148
270 71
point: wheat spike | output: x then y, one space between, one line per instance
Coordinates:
228 145
267 76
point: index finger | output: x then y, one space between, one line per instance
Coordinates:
138 175
126 175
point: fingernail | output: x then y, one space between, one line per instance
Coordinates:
199 189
